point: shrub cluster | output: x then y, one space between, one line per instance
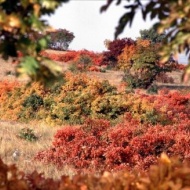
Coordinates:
83 63
141 64
97 146
79 97
139 60
167 174
115 48
74 56
71 101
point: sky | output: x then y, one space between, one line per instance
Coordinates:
90 27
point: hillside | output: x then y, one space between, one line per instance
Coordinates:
7 72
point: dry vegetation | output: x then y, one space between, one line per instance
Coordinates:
9 141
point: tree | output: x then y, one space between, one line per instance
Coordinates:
60 39
173 18
152 35
115 48
20 22
141 64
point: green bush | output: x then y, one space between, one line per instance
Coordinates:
73 68
133 82
34 101
82 64
153 89
27 134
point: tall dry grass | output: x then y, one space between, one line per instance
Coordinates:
9 142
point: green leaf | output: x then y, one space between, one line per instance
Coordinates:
52 67
28 66
43 42
36 23
49 73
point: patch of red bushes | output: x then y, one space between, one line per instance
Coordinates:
73 56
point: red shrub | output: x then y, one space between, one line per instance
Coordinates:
93 68
97 146
6 86
73 56
180 67
69 56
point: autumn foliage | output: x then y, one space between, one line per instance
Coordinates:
73 56
77 97
97 146
115 48
141 63
110 130
168 173
103 129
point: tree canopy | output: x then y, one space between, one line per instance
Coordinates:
20 21
152 35
173 18
60 39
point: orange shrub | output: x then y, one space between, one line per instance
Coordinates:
125 58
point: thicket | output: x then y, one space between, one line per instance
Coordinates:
74 56
138 59
110 130
97 146
77 97
141 64
167 174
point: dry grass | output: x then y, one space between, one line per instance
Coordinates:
9 142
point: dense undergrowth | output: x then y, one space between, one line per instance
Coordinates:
167 174
97 146
77 98
105 129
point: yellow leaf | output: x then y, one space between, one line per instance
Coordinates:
14 21
36 9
